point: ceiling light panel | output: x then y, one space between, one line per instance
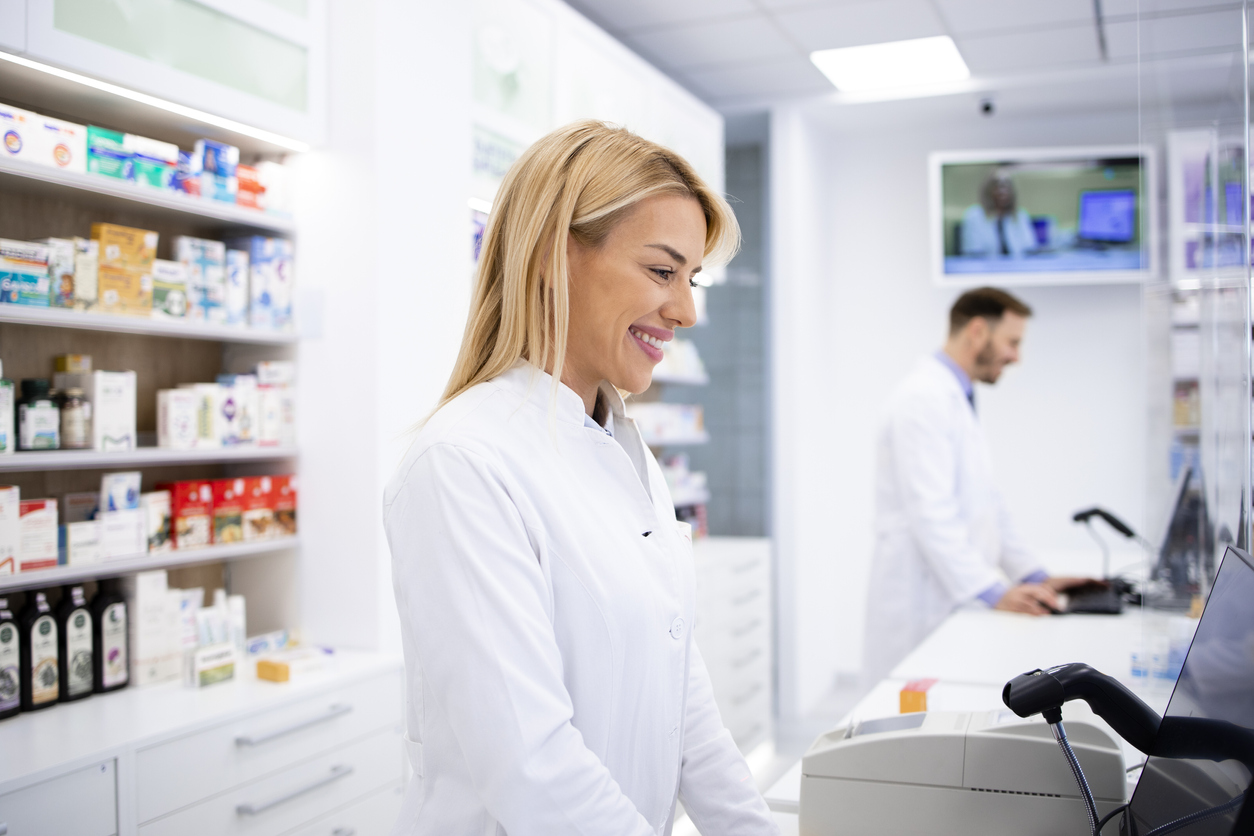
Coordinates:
910 63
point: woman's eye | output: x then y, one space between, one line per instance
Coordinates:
693 283
664 274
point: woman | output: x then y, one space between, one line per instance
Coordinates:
545 589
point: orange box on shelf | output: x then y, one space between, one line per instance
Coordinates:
125 246
191 512
914 695
284 495
124 290
228 510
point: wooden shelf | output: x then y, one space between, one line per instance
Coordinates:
41 578
55 181
141 457
85 320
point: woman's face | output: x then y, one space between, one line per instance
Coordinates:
629 295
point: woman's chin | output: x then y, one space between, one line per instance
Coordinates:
636 381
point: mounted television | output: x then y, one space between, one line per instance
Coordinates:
1041 216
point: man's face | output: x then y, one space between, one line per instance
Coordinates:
1001 347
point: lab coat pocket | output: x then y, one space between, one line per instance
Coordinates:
413 748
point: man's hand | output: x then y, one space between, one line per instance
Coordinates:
1030 598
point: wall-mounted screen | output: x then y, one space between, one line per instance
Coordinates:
1042 216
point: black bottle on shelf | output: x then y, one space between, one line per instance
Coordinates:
75 645
109 625
41 680
10 663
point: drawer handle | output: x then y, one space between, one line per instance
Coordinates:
257 739
344 831
746 598
741 568
336 773
748 628
747 695
747 658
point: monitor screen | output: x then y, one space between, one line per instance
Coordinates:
1041 216
1107 216
1215 684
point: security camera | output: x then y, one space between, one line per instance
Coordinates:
987 107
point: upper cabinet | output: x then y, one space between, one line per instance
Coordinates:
259 62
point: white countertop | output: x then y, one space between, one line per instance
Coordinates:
80 733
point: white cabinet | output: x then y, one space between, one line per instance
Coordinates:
374 814
733 630
83 802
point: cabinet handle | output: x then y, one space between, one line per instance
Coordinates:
747 628
746 566
747 658
746 598
747 695
336 773
257 739
344 831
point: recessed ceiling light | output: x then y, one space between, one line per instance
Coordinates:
893 64
162 104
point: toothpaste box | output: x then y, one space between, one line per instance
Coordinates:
157 521
152 162
107 154
283 495
61 256
270 280
228 510
19 129
258 517
236 287
23 273
86 269
38 546
10 528
61 144
169 289
191 513
178 419
205 262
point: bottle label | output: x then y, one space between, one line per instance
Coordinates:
40 426
44 685
10 671
113 645
78 653
75 427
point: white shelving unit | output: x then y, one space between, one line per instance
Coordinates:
140 457
144 562
90 321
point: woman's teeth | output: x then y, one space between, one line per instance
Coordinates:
645 338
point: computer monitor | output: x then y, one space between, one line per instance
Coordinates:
1216 683
1107 216
1186 556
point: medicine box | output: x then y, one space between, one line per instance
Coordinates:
122 533
295 662
215 164
38 546
124 290
125 246
152 161
61 256
169 289
258 518
250 192
177 419
107 154
283 493
236 287
239 409
154 645
80 507
81 541
112 396
270 280
184 179
86 268
208 413
60 144
205 262
157 521
276 372
913 695
23 273
18 128
10 528
120 491
191 513
211 664
228 510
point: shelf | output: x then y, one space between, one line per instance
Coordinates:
84 320
141 457
55 181
41 578
690 498
677 440
681 379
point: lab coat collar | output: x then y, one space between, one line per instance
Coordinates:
535 386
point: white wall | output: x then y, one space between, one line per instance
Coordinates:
853 308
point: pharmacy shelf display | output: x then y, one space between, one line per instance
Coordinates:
120 192
89 321
114 567
139 457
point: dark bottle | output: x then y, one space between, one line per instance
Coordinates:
41 681
38 417
108 620
75 641
10 663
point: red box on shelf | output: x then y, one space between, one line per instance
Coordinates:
259 509
228 510
191 512
284 493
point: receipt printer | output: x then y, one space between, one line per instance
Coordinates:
956 774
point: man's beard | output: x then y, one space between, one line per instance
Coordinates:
984 364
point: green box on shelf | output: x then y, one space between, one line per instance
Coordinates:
107 154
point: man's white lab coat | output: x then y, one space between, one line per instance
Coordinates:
942 533
546 596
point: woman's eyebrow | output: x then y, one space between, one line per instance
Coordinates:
671 251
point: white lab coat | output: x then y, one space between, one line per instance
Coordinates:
554 687
942 533
979 233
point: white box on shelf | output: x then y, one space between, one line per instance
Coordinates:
38 546
20 130
120 491
239 410
155 648
178 415
276 373
122 534
80 506
211 664
208 413
236 287
206 277
82 543
276 416
10 528
60 144
112 396
157 521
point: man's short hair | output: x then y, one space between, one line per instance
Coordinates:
987 302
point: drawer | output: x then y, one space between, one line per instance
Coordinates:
84 803
279 803
734 614
736 662
717 581
180 772
373 815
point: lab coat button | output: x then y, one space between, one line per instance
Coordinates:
677 629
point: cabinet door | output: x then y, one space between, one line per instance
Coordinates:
83 803
373 815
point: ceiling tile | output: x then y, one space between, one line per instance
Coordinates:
1042 49
743 40
967 16
791 77
618 15
1179 33
854 24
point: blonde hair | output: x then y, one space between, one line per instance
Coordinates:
583 179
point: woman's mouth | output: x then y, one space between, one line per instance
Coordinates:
651 346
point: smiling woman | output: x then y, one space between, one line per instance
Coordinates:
546 590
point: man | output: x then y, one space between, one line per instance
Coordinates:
942 535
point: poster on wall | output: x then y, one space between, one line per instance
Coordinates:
1042 216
